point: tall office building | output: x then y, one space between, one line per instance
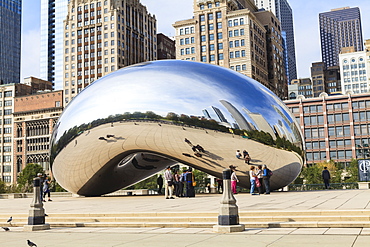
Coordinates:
340 28
10 41
103 36
53 12
282 10
354 70
235 35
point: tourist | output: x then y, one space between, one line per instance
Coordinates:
190 183
234 179
326 177
160 184
168 186
259 173
252 176
177 183
46 189
238 154
266 178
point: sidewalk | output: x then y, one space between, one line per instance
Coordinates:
171 237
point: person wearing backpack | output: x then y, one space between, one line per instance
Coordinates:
267 173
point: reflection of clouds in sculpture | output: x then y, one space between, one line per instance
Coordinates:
210 93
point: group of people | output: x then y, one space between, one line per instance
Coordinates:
245 155
259 177
177 182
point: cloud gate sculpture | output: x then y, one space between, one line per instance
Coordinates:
134 122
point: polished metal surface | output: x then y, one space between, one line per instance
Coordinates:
134 122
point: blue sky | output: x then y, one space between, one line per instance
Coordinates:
305 14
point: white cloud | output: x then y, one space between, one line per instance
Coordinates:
30 62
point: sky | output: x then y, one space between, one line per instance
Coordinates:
167 12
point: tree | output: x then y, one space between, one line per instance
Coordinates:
312 174
352 171
26 177
3 188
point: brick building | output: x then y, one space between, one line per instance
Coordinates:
34 119
335 127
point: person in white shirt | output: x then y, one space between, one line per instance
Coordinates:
253 177
234 179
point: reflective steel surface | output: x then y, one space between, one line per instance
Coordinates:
134 122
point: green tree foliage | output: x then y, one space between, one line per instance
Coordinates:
3 187
200 178
149 183
352 172
312 174
25 179
55 187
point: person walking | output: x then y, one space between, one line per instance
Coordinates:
266 179
234 179
326 177
253 177
168 186
160 184
219 185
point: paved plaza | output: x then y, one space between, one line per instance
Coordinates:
335 200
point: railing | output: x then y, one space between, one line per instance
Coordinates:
334 186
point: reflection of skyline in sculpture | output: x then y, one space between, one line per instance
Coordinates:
293 125
238 117
260 122
149 132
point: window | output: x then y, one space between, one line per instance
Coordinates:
220 46
219 35
220 56
203 38
211 36
201 6
218 15
210 27
212 58
210 16
212 48
201 17
219 25
203 48
204 59
231 54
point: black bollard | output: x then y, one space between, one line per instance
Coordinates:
228 218
36 216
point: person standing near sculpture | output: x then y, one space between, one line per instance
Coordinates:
326 177
253 177
266 179
160 184
234 179
190 192
168 186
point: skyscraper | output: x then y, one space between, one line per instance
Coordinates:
103 36
339 28
10 41
235 35
53 12
282 10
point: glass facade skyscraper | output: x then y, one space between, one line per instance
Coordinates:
53 13
10 41
284 13
339 28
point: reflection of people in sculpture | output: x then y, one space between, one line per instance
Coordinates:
326 177
160 184
199 148
238 154
135 163
245 153
188 142
247 159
